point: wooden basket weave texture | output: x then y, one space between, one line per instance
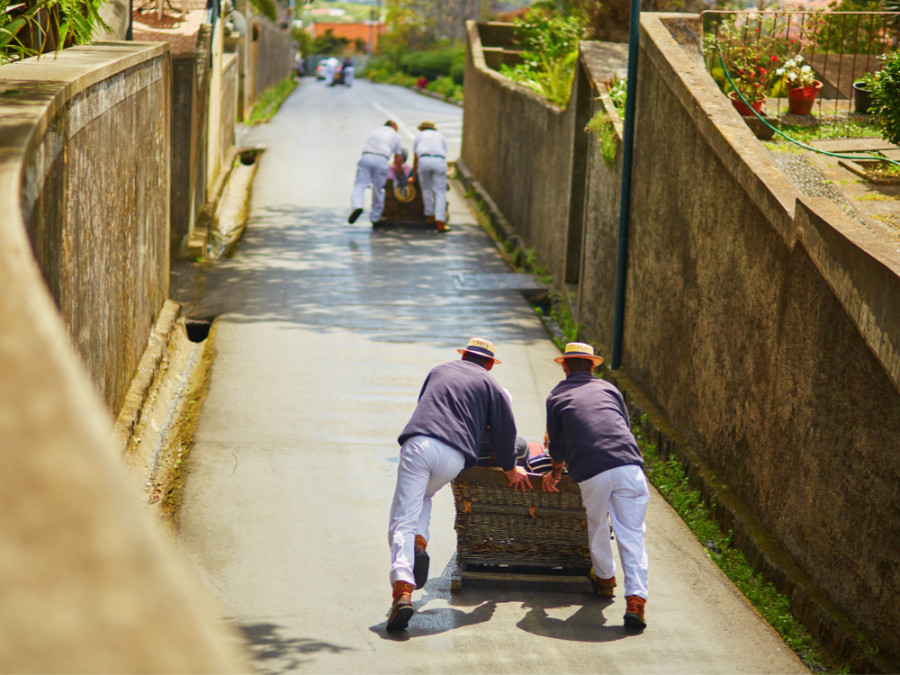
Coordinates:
498 525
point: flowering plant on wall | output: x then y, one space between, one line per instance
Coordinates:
748 44
797 73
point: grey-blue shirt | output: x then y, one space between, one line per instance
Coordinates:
588 427
458 402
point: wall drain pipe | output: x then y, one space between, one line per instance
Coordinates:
625 203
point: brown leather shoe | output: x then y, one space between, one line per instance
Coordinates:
442 227
402 609
420 562
602 587
634 612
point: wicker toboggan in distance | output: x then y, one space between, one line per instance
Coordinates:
499 529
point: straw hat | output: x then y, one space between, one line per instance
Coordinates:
480 347
427 125
579 350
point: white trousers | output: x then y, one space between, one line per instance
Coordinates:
432 172
623 494
426 465
370 170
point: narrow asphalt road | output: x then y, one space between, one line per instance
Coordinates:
324 334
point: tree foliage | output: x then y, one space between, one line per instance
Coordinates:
33 27
267 8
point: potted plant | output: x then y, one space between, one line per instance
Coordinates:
747 47
862 95
802 85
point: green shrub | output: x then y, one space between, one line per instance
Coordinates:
458 70
603 130
378 69
432 64
618 92
446 87
885 88
550 51
270 101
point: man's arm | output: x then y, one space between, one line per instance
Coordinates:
551 443
549 481
502 429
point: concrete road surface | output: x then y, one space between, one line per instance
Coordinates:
325 332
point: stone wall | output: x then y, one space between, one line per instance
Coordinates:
521 152
186 199
102 243
760 327
228 119
89 583
270 56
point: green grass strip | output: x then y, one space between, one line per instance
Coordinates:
270 101
669 478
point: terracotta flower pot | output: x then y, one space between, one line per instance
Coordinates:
742 107
801 99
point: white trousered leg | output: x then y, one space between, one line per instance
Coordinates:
426 465
371 170
623 494
432 172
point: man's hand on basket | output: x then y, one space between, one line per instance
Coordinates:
550 480
518 478
548 483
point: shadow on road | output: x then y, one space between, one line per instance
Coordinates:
274 652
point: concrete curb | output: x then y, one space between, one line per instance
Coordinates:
157 344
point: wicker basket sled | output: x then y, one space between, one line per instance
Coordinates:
510 535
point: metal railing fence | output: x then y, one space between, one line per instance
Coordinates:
841 47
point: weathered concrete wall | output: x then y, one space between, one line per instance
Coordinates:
520 149
88 584
595 302
102 243
761 326
186 199
228 120
270 57
775 380
204 104
214 149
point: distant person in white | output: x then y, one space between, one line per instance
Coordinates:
331 65
381 148
430 167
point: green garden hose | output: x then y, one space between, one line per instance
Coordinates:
793 140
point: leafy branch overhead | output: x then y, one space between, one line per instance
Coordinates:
34 27
267 8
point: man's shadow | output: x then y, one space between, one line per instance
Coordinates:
588 623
